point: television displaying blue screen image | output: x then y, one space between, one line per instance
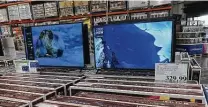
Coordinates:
58 45
133 45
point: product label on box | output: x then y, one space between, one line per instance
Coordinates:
138 16
33 65
117 5
50 9
137 4
24 11
98 6
21 66
81 7
117 18
171 72
13 12
66 8
25 68
99 20
38 11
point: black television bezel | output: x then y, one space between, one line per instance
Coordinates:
86 44
140 21
47 66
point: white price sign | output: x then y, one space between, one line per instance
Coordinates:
171 72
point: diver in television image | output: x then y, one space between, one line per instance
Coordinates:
106 55
110 60
49 45
114 60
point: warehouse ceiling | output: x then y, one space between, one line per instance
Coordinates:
195 8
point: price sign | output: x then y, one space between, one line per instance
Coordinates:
171 72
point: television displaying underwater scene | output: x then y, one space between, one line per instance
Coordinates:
133 45
59 45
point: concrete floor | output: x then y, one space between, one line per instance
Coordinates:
203 61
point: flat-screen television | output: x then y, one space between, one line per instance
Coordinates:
56 45
135 45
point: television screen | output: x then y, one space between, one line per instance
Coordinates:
133 45
57 45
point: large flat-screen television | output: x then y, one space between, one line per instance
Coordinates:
56 45
135 45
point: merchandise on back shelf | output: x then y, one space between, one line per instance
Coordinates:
6 30
205 41
17 31
24 11
138 16
159 14
195 23
195 29
38 11
98 6
188 35
3 15
191 38
66 8
118 18
51 22
13 12
159 2
2 2
9 47
137 4
50 9
81 7
192 49
19 40
117 5
99 20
